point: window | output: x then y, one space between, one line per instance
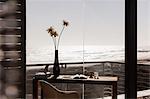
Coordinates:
143 47
87 25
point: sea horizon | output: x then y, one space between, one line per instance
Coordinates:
77 53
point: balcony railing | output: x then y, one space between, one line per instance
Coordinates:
103 68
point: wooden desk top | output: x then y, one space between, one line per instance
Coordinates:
68 79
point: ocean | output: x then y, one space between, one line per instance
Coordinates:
80 54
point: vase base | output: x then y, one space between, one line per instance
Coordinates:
54 77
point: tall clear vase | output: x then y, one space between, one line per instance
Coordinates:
56 68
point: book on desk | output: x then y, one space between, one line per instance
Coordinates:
79 76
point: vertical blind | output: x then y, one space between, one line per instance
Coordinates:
12 49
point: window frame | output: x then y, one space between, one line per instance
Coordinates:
130 49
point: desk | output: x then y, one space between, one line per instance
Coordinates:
104 80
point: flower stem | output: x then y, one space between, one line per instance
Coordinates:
54 41
60 36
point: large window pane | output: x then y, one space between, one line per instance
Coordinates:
104 28
93 41
104 38
143 51
41 14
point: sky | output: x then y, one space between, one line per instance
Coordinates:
91 22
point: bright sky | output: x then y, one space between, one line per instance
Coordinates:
94 22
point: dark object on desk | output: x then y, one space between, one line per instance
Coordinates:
51 92
90 74
42 75
46 69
